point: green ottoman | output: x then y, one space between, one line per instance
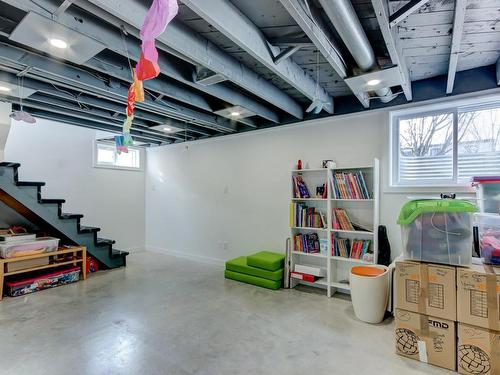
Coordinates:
269 284
240 265
266 260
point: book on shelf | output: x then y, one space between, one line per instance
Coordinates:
349 185
303 216
342 221
300 188
303 276
346 248
307 243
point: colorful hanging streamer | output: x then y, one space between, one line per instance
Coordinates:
158 17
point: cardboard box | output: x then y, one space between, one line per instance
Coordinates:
478 290
438 289
426 339
478 350
25 264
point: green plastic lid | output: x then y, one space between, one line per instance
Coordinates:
413 209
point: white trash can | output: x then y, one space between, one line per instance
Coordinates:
370 292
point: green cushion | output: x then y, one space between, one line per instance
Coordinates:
240 265
254 280
266 260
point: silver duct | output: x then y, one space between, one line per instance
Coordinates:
345 20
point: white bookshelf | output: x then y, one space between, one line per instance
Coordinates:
363 210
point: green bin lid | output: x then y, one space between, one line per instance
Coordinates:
413 209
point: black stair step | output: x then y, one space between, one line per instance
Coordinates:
66 216
54 201
119 253
30 183
9 165
104 241
85 229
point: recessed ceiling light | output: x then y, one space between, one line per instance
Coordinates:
58 43
167 129
373 82
235 114
5 89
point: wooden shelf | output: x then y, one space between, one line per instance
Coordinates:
360 232
309 199
352 200
314 255
81 258
310 228
310 170
350 260
340 267
343 286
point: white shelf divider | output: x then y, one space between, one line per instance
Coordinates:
331 281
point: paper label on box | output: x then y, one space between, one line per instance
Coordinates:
422 351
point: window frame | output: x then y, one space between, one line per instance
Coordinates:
96 163
455 108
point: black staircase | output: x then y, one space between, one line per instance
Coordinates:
26 198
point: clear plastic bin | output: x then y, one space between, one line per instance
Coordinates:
437 231
20 249
489 237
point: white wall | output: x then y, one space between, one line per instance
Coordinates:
237 189
5 111
62 156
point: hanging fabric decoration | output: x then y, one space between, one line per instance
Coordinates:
119 142
128 124
158 17
22 116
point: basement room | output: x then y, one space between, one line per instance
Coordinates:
234 187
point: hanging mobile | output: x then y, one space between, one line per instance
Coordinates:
22 115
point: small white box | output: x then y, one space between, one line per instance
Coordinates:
310 270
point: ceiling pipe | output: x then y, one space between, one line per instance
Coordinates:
345 20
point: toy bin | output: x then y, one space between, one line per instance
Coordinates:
20 249
50 280
437 231
489 237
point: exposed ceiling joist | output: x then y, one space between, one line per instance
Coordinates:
50 70
197 48
62 8
112 38
456 41
320 40
102 103
407 9
226 18
86 123
393 45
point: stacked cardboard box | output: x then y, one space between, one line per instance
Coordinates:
435 304
426 311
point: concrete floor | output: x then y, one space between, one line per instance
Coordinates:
165 315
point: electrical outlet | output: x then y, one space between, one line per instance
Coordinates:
225 245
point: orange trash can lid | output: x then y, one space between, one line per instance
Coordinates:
367 271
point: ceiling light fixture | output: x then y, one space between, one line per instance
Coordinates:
58 43
167 129
373 82
5 89
235 114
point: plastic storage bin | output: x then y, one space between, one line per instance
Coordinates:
437 231
20 249
369 292
51 280
489 237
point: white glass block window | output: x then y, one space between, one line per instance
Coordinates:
446 147
106 156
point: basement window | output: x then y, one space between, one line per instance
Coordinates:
446 147
105 156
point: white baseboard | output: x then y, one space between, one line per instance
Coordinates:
195 257
134 249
